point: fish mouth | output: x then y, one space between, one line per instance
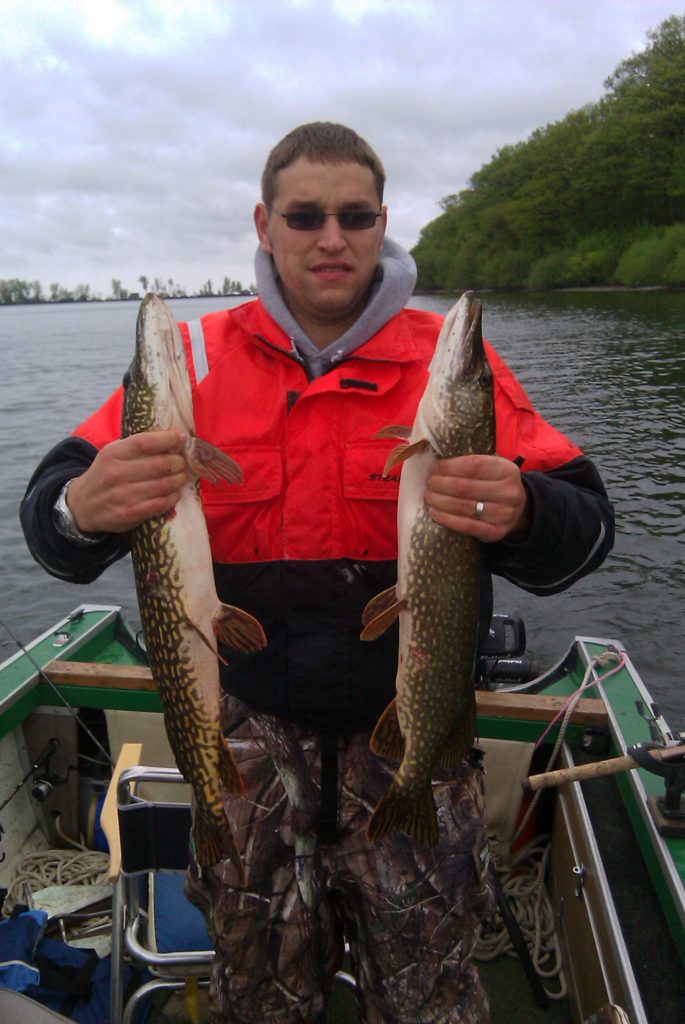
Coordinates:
473 348
460 353
160 363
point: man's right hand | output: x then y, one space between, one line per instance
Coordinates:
130 481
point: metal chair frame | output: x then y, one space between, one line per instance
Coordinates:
145 828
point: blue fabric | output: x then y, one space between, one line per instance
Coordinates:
99 838
19 937
179 925
89 1005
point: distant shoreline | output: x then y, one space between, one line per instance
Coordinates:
129 298
419 291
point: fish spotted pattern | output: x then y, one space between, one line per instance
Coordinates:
433 719
181 613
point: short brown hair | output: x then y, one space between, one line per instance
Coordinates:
320 142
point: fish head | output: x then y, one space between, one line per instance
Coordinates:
157 392
457 408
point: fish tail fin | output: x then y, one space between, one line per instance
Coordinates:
215 843
398 812
387 739
460 740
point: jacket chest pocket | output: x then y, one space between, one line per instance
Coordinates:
244 520
370 500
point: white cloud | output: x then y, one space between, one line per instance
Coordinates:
135 132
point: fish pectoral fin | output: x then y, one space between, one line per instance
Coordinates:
387 739
238 629
211 463
460 740
402 433
380 613
399 812
205 640
380 603
404 452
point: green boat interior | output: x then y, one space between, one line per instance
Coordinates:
591 921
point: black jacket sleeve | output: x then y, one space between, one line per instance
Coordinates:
71 560
571 534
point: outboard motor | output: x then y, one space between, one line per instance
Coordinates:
502 659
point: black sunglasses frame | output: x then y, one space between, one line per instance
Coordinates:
314 220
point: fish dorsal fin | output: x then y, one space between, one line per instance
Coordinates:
402 433
213 845
238 629
460 740
380 613
228 768
387 739
211 463
404 452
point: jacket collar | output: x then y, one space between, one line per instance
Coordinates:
395 342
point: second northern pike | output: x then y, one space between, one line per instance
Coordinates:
433 718
179 607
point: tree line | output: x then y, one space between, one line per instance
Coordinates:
596 198
16 292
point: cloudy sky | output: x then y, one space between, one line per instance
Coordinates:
134 131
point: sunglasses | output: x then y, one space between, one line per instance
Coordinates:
313 220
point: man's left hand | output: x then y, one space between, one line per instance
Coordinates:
482 496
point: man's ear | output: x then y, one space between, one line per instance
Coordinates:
384 222
261 219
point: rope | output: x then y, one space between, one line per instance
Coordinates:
524 886
524 882
609 655
61 867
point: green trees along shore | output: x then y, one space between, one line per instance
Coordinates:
595 199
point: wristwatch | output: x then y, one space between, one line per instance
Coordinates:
65 523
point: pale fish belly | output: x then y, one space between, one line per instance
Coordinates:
178 599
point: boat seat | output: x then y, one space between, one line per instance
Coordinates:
16 1008
154 926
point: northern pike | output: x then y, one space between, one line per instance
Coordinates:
432 720
180 611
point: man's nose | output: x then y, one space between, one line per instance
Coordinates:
331 235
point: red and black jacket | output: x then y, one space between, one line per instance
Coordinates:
311 534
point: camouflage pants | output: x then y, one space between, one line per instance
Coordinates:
408 912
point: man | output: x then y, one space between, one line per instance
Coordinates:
295 385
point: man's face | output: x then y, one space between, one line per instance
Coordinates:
325 274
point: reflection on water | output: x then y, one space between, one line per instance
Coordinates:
607 368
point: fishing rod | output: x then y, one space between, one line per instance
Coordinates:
60 696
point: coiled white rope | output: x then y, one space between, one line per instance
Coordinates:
524 886
44 868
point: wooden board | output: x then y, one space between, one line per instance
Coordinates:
491 704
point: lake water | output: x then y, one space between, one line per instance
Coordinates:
607 368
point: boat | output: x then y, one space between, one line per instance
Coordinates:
601 852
